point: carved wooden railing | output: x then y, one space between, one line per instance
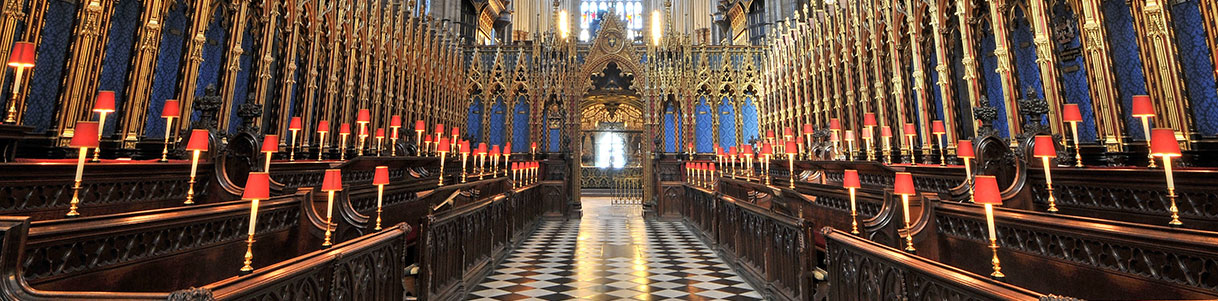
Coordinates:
863 270
1129 194
160 249
1077 256
772 249
367 268
43 191
462 244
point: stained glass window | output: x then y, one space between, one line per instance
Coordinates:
592 13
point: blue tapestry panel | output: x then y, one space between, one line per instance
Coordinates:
555 140
164 78
670 131
520 125
1075 88
748 118
49 66
498 122
1026 68
1126 64
1198 71
705 123
991 79
473 128
118 56
727 124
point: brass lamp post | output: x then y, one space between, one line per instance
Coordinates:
904 187
1044 150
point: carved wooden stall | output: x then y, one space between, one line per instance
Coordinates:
460 245
771 250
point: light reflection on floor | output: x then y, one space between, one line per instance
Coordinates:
612 253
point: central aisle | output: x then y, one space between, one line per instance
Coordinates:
610 254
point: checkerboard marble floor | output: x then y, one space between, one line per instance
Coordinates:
612 253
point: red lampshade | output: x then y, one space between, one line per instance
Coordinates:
344 128
198 140
444 145
869 119
464 146
808 129
257 186
787 132
712 167
937 127
731 151
985 190
791 146
507 148
427 139
420 126
851 179
964 149
833 136
867 135
532 144
295 124
748 150
910 129
799 140
1142 107
1044 147
1071 113
456 131
395 121
172 108
903 184
364 116
766 149
1163 143
849 135
835 124
270 144
482 148
689 145
105 102
323 126
22 55
380 133
769 133
333 180
381 176
84 135
886 131
495 150
440 128
718 151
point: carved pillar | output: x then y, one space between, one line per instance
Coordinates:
11 14
1105 100
894 55
943 61
140 78
919 75
964 13
84 63
262 86
192 58
1047 59
228 81
1002 52
309 95
877 61
1165 84
289 75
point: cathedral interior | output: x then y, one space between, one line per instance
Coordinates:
1050 150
